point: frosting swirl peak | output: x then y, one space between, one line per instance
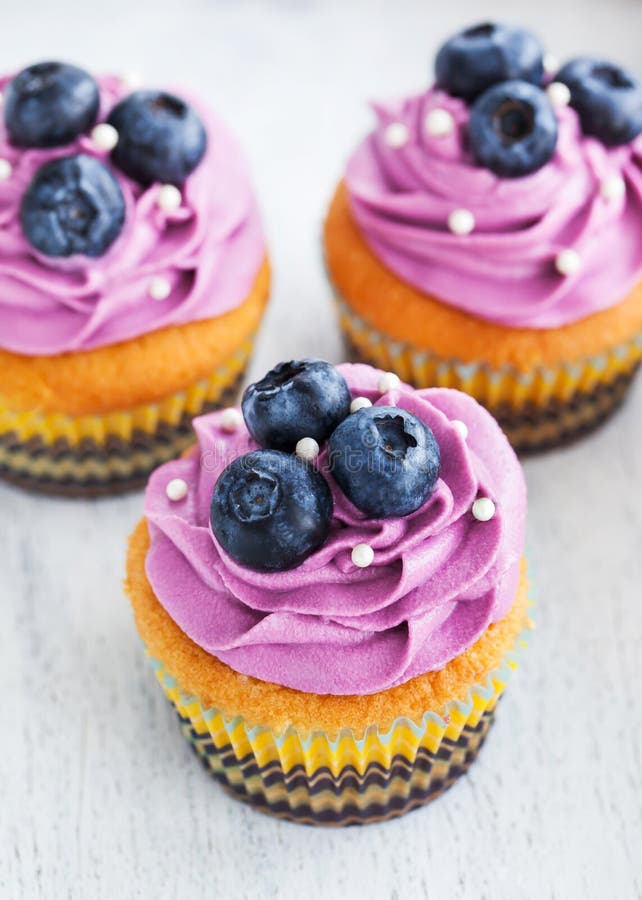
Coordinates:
438 579
207 251
403 192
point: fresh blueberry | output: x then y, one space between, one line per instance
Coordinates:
608 99
73 205
270 510
296 399
512 129
475 59
160 137
385 460
49 104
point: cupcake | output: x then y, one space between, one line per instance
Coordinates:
332 591
487 235
133 277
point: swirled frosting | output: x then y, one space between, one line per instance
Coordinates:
504 271
209 250
439 576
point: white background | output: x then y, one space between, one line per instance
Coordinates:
100 796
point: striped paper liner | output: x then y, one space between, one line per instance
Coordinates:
538 409
321 780
95 454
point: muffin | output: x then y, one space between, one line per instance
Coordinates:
487 235
133 277
332 591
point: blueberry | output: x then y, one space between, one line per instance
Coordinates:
608 99
160 137
512 129
486 54
270 510
296 399
49 104
73 205
385 460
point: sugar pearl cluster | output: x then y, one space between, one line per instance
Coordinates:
388 381
362 555
483 509
438 123
230 421
307 448
168 198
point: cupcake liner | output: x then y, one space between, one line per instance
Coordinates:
324 780
101 454
538 409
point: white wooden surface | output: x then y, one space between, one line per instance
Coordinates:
100 796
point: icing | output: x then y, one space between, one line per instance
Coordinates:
404 198
204 251
435 581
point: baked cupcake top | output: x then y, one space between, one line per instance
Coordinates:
509 193
344 567
120 212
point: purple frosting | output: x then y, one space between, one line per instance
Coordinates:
209 250
504 271
439 576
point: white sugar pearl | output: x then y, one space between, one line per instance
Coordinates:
104 136
460 427
558 93
388 381
568 262
307 448
483 509
551 64
613 187
360 403
362 556
169 197
176 489
396 135
5 169
131 80
439 123
159 288
231 419
461 221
